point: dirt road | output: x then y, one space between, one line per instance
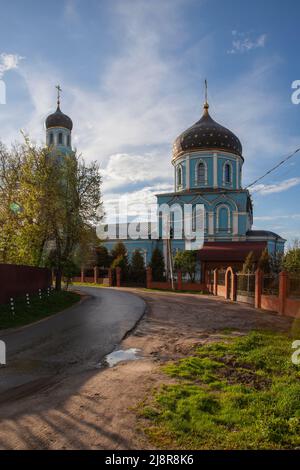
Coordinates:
95 409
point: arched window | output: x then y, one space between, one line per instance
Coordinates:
223 218
51 139
60 138
68 141
227 174
179 176
201 173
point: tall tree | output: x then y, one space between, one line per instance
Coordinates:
249 264
157 265
291 260
137 267
50 209
264 261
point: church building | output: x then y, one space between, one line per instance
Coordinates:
208 163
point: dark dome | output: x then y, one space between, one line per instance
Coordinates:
207 134
59 119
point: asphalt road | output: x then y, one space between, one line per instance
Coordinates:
74 340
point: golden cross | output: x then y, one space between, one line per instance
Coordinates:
205 86
58 93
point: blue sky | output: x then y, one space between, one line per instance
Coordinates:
132 76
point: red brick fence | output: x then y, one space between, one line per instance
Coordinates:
16 281
278 293
268 292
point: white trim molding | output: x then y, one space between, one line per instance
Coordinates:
226 183
215 170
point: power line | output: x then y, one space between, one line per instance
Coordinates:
273 168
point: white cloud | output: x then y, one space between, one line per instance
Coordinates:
276 187
9 62
277 217
137 202
243 42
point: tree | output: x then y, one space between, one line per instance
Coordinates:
119 249
276 262
103 258
157 265
137 267
58 199
120 259
249 264
291 260
186 262
264 261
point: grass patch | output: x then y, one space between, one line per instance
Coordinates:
87 284
39 308
175 291
240 394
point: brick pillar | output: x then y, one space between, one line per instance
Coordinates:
215 286
179 280
96 274
110 277
148 277
82 275
118 274
283 278
258 288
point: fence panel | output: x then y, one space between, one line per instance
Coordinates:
246 285
294 285
270 284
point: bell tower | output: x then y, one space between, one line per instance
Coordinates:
59 128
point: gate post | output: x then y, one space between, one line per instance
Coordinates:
110 277
233 286
215 286
96 271
282 291
82 279
118 273
179 280
148 277
258 288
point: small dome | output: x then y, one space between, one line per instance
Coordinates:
59 119
207 134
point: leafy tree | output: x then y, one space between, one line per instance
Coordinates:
103 257
157 264
264 261
249 264
291 260
137 267
119 249
186 262
50 208
276 262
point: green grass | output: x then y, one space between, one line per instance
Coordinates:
87 284
243 393
198 292
38 308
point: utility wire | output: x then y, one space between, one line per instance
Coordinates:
273 168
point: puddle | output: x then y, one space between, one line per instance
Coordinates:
121 355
